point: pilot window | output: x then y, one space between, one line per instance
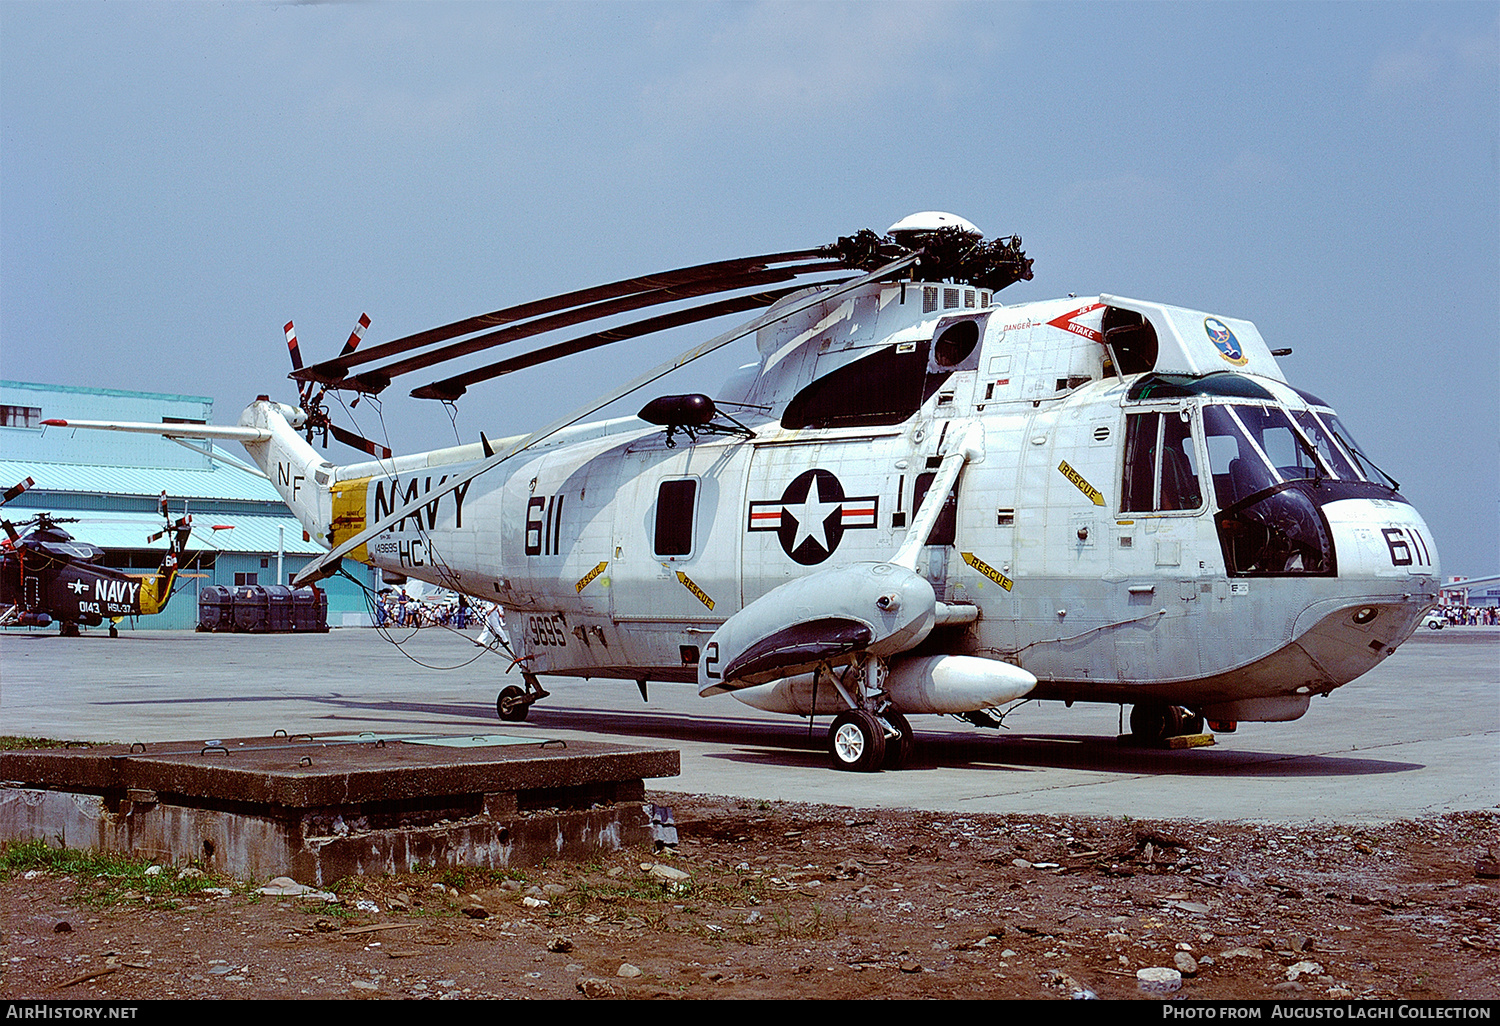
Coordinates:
674 517
1161 464
1267 526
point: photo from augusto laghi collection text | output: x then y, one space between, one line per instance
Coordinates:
1266 1011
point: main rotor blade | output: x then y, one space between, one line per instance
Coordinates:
450 389
331 371
376 380
327 563
359 442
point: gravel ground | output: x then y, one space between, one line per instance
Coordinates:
782 900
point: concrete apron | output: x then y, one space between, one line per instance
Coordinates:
320 809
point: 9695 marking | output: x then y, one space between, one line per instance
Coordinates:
548 630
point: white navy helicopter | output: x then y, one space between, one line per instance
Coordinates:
912 500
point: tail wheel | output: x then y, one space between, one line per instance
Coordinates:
898 749
512 706
857 742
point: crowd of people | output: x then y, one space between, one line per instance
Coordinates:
395 608
1469 616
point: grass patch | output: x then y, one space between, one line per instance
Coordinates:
13 743
103 877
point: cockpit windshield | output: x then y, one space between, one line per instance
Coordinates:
1251 448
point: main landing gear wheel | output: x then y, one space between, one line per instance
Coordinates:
1154 722
898 749
512 706
857 741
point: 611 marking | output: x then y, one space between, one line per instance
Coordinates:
1407 546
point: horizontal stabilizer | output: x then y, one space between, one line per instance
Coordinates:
224 433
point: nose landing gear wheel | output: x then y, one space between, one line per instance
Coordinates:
857 742
511 705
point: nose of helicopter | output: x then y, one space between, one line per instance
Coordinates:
1387 578
1384 542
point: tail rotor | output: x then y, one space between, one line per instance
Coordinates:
312 402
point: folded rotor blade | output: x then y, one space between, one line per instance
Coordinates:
327 563
363 444
376 380
450 389
332 371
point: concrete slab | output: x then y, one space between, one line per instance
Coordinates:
318 809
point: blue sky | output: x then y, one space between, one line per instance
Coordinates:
179 180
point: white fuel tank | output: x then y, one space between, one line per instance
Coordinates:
927 684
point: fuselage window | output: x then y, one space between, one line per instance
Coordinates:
886 387
945 527
1161 464
675 502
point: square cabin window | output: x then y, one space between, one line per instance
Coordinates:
674 517
1161 464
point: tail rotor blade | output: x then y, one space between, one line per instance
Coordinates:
291 344
292 347
15 490
355 336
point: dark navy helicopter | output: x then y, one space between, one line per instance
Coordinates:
46 575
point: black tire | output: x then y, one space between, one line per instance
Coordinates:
856 741
114 632
511 705
1149 721
898 749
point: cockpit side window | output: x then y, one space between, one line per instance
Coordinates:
1328 450
1357 455
1161 464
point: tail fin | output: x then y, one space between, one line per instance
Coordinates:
156 591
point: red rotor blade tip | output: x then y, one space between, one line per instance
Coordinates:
356 335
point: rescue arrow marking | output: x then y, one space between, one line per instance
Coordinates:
987 570
589 577
1079 483
687 582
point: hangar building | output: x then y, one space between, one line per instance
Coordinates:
111 482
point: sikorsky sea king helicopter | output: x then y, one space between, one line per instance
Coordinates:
913 499
47 576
